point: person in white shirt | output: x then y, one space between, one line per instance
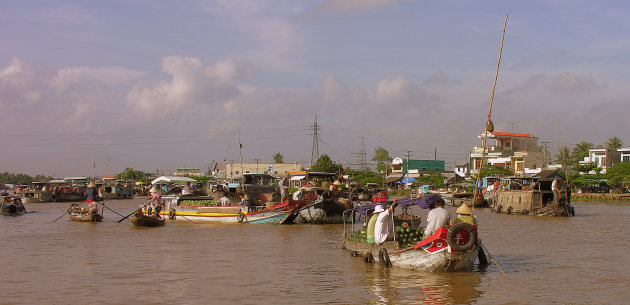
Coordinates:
436 218
186 189
383 229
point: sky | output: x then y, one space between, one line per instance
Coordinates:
94 87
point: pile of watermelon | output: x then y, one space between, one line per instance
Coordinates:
358 236
408 236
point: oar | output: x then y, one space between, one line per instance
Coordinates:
491 258
112 210
125 217
64 214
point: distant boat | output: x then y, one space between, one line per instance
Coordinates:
79 214
141 220
12 206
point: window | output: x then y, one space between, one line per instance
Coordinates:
626 158
237 172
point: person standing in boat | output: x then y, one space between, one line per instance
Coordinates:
186 189
284 187
384 226
555 189
436 218
91 197
155 202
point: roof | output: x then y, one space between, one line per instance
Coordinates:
512 134
172 179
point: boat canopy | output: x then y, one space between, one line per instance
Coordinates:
172 179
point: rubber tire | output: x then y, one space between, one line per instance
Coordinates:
572 211
498 209
450 237
384 257
369 258
240 217
171 214
327 195
509 210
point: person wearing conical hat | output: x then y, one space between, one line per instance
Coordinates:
155 201
465 214
91 196
284 187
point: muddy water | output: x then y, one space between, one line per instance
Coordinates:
584 259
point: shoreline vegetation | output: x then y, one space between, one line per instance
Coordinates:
605 197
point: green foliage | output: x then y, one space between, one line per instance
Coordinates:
365 176
278 158
562 156
618 174
432 179
383 160
583 180
579 152
614 143
325 164
585 168
11 178
135 175
495 170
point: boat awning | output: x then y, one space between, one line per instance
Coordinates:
392 179
172 179
298 177
408 180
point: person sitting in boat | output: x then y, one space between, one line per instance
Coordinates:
384 226
186 189
436 218
224 200
464 214
155 202
91 197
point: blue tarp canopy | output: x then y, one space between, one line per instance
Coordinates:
424 202
407 180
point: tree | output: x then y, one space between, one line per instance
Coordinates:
132 174
585 168
278 158
325 164
382 158
496 171
614 143
563 155
580 151
618 174
365 176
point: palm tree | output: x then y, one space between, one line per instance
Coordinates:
278 158
580 151
614 143
563 155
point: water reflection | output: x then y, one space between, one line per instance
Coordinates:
398 286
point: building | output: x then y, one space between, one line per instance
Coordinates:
461 169
415 168
516 151
185 171
624 154
603 158
234 170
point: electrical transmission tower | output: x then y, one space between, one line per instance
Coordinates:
362 157
315 152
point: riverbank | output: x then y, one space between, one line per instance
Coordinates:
600 197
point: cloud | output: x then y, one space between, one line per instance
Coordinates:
192 84
108 75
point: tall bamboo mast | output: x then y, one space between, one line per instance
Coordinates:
489 125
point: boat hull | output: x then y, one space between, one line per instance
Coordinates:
140 220
12 210
531 203
321 212
85 217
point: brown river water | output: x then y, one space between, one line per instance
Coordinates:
580 260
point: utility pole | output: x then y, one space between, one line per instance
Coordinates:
257 160
544 153
315 150
408 154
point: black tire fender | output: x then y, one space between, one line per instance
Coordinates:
383 257
499 208
240 217
509 210
369 258
171 214
327 195
452 237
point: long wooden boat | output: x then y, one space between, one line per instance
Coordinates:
77 214
322 212
531 196
274 214
12 209
36 196
141 220
450 249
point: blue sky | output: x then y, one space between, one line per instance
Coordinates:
164 84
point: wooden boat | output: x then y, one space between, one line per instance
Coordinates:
11 209
449 249
176 209
141 220
77 214
322 212
531 196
